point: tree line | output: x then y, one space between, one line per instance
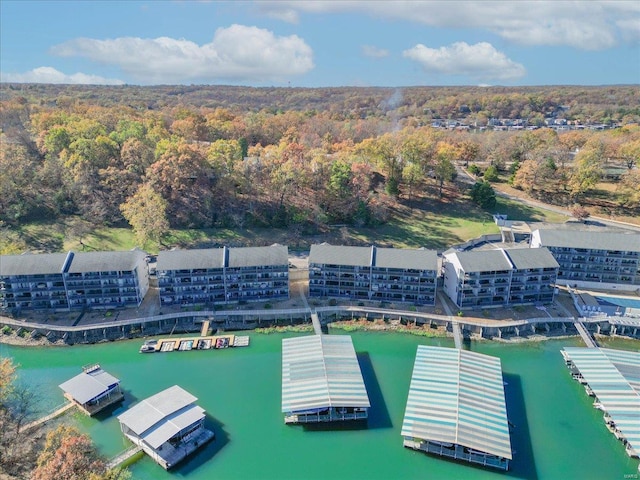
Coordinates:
197 167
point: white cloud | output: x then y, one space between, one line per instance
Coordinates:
480 61
374 52
583 24
237 53
51 75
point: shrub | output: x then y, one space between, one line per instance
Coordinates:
484 195
474 169
491 174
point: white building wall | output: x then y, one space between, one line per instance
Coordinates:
143 276
451 269
536 242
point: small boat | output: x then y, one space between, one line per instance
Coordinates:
149 346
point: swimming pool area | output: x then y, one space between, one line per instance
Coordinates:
592 304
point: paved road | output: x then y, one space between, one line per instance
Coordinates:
466 177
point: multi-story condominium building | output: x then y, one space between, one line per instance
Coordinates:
372 273
106 279
221 275
500 277
62 281
593 259
32 282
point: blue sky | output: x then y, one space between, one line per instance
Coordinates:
321 43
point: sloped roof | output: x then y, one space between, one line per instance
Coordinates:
400 258
31 264
457 396
614 377
89 385
321 371
256 256
482 260
205 258
531 258
159 417
105 261
590 239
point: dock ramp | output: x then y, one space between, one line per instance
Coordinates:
123 456
585 335
56 413
205 328
316 323
457 334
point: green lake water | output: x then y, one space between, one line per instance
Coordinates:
557 434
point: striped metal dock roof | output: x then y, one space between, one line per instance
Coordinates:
457 397
321 371
614 377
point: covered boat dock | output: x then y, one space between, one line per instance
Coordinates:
613 378
322 380
456 407
168 426
92 390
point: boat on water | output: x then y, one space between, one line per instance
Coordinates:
149 346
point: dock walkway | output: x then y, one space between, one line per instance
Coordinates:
123 456
316 323
586 336
56 413
457 334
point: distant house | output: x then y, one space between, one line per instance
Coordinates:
221 275
168 426
93 390
500 277
373 273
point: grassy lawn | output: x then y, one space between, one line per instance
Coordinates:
424 222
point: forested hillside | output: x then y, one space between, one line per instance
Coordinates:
199 157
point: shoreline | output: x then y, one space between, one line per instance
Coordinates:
344 325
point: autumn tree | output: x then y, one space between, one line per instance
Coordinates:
629 189
587 170
444 169
18 450
146 213
70 455
183 177
630 153
579 212
384 152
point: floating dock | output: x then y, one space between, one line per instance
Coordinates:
195 343
456 407
93 390
613 378
322 380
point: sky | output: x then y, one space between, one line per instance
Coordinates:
321 43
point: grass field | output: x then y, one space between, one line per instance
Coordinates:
426 222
